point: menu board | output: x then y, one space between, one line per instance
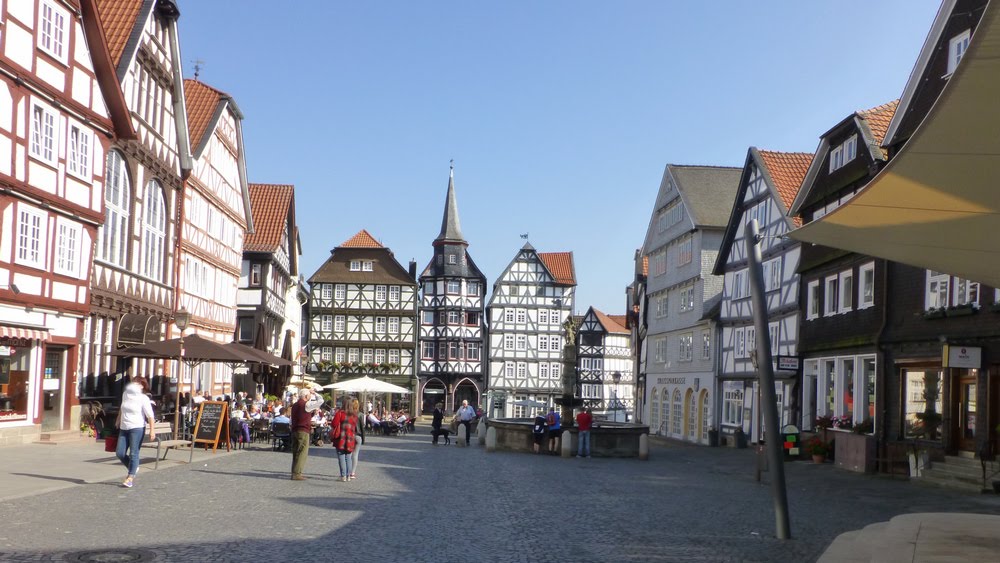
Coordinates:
212 418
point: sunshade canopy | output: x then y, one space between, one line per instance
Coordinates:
254 355
936 205
366 385
196 349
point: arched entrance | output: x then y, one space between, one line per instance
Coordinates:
433 393
466 390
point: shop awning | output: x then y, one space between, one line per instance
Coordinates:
936 205
19 332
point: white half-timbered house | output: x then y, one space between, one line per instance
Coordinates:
604 365
452 325
767 187
60 106
363 316
269 272
133 279
215 218
531 300
682 244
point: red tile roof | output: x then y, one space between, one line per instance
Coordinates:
878 119
270 205
201 101
560 265
118 18
611 323
787 170
363 239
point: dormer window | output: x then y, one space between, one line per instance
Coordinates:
957 47
366 265
355 265
844 153
452 259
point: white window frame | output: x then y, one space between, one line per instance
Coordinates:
69 235
739 343
685 347
813 305
685 251
393 356
453 287
394 292
472 288
472 351
381 292
522 316
508 342
957 46
427 317
706 344
521 342
79 151
508 369
740 289
427 351
340 354
326 291
340 323
326 323
937 290
866 286
367 355
845 291
522 370
43 142
508 315
380 324
32 231
962 289
830 295
355 265
393 325
53 30
154 231
380 356
339 291
543 370
367 265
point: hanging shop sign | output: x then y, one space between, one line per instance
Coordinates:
954 356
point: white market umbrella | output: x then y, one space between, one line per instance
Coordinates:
366 385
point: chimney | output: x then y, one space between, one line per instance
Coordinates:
413 269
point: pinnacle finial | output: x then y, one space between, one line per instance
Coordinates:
452 167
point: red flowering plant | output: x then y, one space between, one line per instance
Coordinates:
817 446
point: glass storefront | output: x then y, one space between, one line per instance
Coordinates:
923 406
15 384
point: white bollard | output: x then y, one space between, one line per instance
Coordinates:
491 439
481 431
644 447
566 443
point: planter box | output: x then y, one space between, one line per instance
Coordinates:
855 452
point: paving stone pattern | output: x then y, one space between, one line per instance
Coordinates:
416 502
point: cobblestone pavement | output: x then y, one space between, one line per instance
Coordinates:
416 502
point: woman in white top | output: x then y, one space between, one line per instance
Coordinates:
135 412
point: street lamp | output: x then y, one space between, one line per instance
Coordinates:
181 319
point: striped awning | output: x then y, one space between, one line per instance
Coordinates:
20 332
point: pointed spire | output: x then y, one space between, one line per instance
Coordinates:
451 228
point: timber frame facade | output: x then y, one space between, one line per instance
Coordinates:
60 108
452 325
604 365
531 301
363 316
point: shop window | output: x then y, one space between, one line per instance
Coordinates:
15 385
922 404
654 410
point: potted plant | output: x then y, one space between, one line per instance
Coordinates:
817 448
866 426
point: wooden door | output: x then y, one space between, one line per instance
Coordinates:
965 409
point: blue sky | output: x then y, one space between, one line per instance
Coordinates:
560 115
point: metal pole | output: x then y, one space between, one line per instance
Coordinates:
177 398
768 400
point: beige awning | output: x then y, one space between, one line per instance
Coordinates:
936 205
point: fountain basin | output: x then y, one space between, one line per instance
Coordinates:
607 439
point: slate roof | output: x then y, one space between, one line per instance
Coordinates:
703 187
270 205
451 227
118 18
363 239
787 170
560 265
202 101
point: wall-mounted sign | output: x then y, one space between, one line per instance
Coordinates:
955 356
788 363
15 342
6 350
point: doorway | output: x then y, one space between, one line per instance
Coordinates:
53 390
966 408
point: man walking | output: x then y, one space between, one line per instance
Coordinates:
553 422
584 420
302 429
466 414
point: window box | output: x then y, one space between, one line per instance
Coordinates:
934 313
995 307
961 310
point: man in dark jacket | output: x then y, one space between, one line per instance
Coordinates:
301 430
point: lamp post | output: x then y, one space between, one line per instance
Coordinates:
616 377
181 319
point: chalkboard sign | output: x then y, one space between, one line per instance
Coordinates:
212 418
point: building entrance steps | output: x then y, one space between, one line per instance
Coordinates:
919 538
957 472
64 437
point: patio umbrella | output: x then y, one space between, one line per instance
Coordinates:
285 369
366 385
196 351
529 403
253 355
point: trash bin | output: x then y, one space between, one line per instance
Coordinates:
713 438
741 439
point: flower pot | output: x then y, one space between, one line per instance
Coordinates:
819 458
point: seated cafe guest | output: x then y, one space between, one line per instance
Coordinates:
281 418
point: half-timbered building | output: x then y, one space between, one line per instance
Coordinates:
767 186
215 216
604 365
682 244
134 273
269 272
60 106
531 300
452 326
841 293
636 303
363 316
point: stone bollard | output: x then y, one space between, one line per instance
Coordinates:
481 431
644 447
491 439
566 443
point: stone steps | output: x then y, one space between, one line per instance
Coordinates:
960 473
63 437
